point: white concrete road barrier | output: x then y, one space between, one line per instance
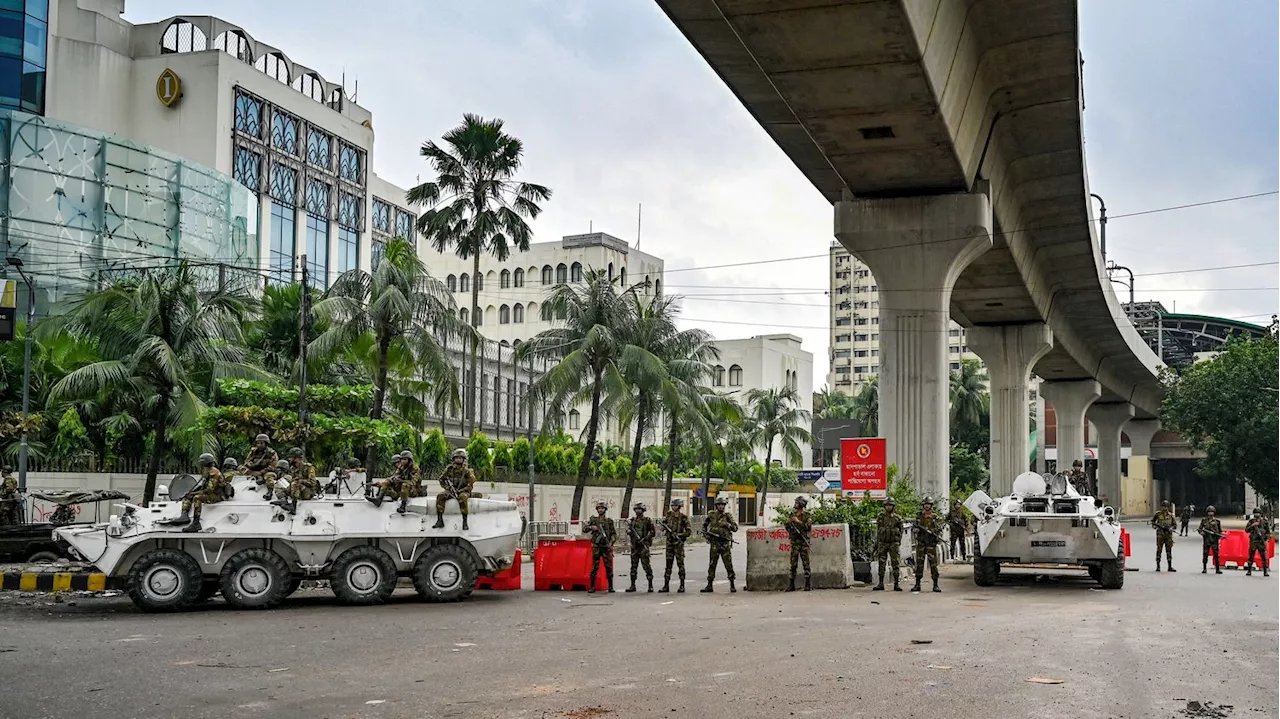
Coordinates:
769 558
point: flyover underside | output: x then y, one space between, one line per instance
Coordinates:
912 97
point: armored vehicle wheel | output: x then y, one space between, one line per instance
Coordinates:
444 573
985 571
1111 574
1095 572
254 579
363 575
45 557
294 583
208 588
164 580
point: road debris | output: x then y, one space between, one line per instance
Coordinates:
1045 680
1207 710
939 666
922 641
588 713
376 701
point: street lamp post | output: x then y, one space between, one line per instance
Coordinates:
1102 223
16 263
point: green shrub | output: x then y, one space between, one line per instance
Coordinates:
434 453
478 455
520 455
501 454
649 472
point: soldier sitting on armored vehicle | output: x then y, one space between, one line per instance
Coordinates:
212 488
303 484
9 498
262 458
269 479
403 484
229 466
458 481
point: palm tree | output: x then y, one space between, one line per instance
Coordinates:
691 402
475 206
721 433
589 350
162 342
833 404
775 414
394 316
866 407
969 398
274 335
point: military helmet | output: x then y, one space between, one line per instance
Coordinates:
6 468
802 501
295 452
721 500
230 463
640 507
677 503
890 503
407 454
928 502
601 505
262 438
1077 463
1164 503
460 452
282 464
207 459
353 463
1257 510
1210 509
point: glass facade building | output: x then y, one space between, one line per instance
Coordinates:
80 208
24 54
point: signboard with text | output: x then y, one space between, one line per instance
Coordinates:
863 467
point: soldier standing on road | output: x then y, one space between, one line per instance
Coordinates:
262 458
458 481
603 533
1185 516
1165 526
1259 530
927 529
678 529
799 527
958 523
9 497
888 540
719 528
642 533
1211 533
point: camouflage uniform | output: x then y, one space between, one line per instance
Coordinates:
457 481
1210 532
959 526
404 483
215 490
64 514
1259 529
602 538
1185 515
799 527
888 541
719 528
678 529
1166 525
260 461
303 484
642 533
9 499
928 528
1080 481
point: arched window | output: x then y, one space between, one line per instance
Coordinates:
575 419
462 315
452 281
519 277
516 344
479 317
182 36
622 277
648 284
560 313
505 343
505 279
735 376
504 315
311 85
546 312
464 283
562 274
717 376
274 65
517 313
575 272
479 283
235 44
611 272
657 288
546 274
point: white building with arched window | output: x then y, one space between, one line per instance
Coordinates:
765 362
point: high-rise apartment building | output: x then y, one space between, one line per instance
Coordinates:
855 325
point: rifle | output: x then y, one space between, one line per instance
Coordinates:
926 530
721 537
598 535
673 537
1207 533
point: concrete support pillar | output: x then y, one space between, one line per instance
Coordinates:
1141 432
1110 419
916 247
1009 352
1041 430
1070 399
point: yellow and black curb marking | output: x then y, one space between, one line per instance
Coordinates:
55 582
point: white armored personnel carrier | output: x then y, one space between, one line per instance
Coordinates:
1045 521
257 553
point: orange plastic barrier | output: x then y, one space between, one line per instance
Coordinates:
1234 547
1124 539
507 579
565 565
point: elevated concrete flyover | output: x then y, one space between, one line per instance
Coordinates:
947 133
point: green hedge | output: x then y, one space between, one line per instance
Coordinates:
336 400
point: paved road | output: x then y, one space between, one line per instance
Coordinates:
1140 652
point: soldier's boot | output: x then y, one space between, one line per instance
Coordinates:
666 585
936 588
792 586
650 586
879 587
375 500
733 589
707 588
404 506
681 589
632 588
807 586
611 584
439 521
185 518
464 523
267 496
896 587
1204 567
194 526
1217 568
1157 564
1248 569
914 588
1170 562
1266 570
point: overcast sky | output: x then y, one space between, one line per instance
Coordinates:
616 109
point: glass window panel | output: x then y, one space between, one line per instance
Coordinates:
10 82
317 198
33 89
284 133
249 115
284 184
381 216
404 227
377 251
318 148
317 252
349 163
36 8
36 37
248 168
12 27
282 243
348 249
349 211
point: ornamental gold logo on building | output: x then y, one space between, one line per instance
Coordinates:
169 88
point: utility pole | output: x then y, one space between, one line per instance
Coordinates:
1102 220
528 435
16 263
304 307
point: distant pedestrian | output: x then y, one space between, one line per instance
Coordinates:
1185 516
958 525
1166 527
1210 532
